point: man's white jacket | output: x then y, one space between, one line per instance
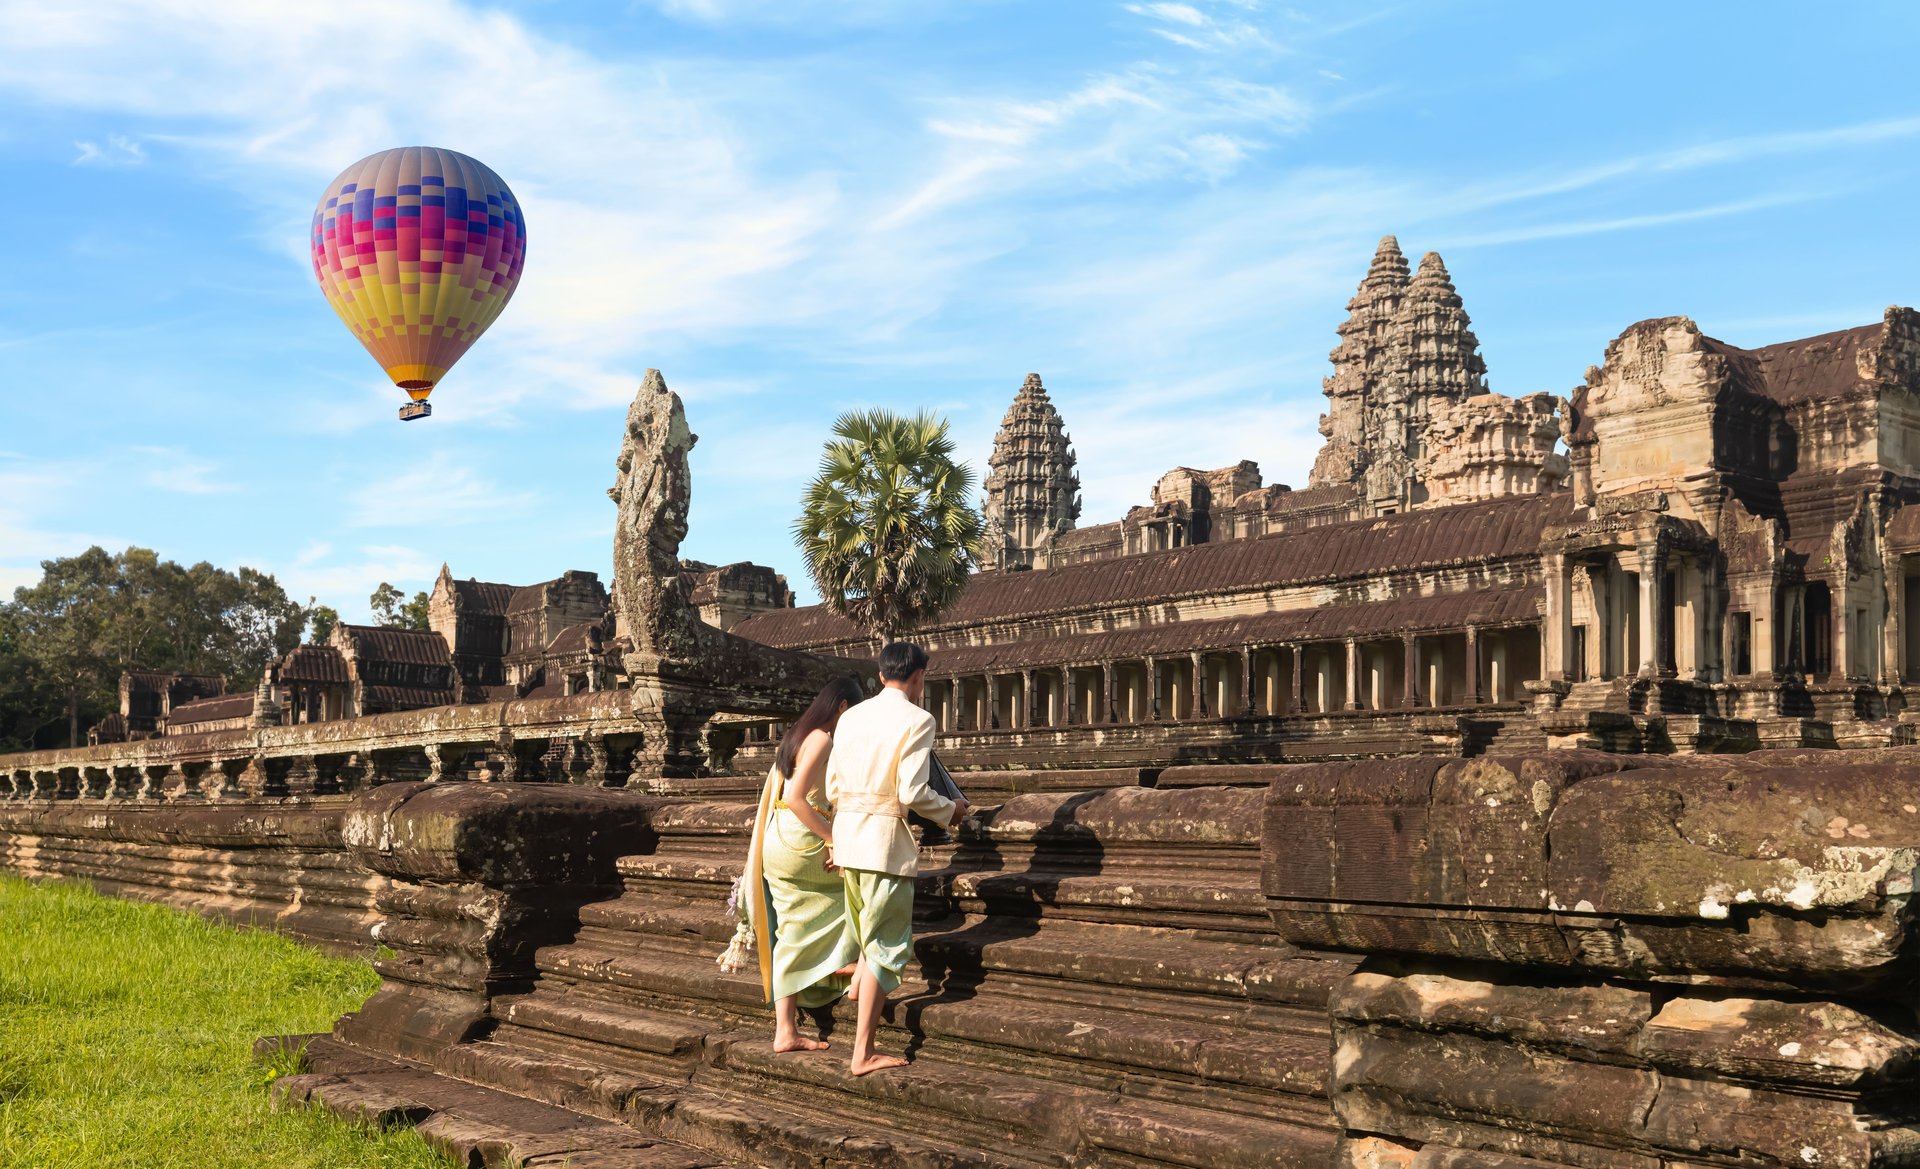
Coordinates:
877 771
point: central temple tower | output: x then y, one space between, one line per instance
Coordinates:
1406 351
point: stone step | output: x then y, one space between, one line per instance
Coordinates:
1223 898
475 1125
622 1025
663 914
1241 1041
729 1117
1140 1132
1135 956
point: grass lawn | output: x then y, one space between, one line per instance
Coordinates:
125 1036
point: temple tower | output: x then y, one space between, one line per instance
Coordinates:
1359 361
1032 492
1406 349
1433 362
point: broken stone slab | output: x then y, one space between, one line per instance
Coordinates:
1815 1043
1410 1084
1591 1018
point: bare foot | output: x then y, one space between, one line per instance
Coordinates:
875 1063
798 1043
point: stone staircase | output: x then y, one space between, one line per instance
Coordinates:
1096 984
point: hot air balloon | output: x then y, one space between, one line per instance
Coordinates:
418 250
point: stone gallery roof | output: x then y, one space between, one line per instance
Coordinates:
317 664
1490 607
412 647
1431 538
385 698
574 639
1092 535
210 710
1826 366
528 598
1903 530
481 596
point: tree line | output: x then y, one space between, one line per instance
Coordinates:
65 641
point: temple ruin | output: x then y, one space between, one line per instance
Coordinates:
1533 789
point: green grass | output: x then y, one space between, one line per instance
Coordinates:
126 1034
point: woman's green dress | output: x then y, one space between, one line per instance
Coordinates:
809 908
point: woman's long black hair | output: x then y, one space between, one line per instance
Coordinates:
826 705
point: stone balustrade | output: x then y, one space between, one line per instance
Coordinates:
585 738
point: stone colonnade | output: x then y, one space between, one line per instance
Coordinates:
1470 666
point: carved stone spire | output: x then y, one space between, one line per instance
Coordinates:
1434 350
1359 362
1032 492
1432 361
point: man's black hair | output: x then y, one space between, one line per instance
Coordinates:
900 660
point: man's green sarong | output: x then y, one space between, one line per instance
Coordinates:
880 918
810 939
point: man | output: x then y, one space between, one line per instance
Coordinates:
878 772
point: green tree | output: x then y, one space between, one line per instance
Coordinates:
24 708
887 527
324 618
94 616
70 631
392 609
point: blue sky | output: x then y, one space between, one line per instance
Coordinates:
794 208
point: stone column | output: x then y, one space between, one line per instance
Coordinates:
1246 681
1353 674
1652 566
1026 700
1199 684
1066 696
1409 670
1472 695
1153 689
1555 648
1110 714
993 701
1893 585
512 768
1297 701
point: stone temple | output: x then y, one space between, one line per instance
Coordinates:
1535 788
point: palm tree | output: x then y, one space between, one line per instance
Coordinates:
887 527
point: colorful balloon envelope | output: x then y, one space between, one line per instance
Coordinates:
418 250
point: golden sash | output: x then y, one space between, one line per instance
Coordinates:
753 885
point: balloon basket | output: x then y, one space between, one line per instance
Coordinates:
413 410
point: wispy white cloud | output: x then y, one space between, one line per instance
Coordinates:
1541 231
1192 27
119 150
347 581
436 493
34 495
176 470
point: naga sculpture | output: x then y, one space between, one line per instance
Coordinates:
680 669
653 489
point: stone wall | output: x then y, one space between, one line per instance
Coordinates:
1562 958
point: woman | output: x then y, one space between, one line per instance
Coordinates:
812 956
